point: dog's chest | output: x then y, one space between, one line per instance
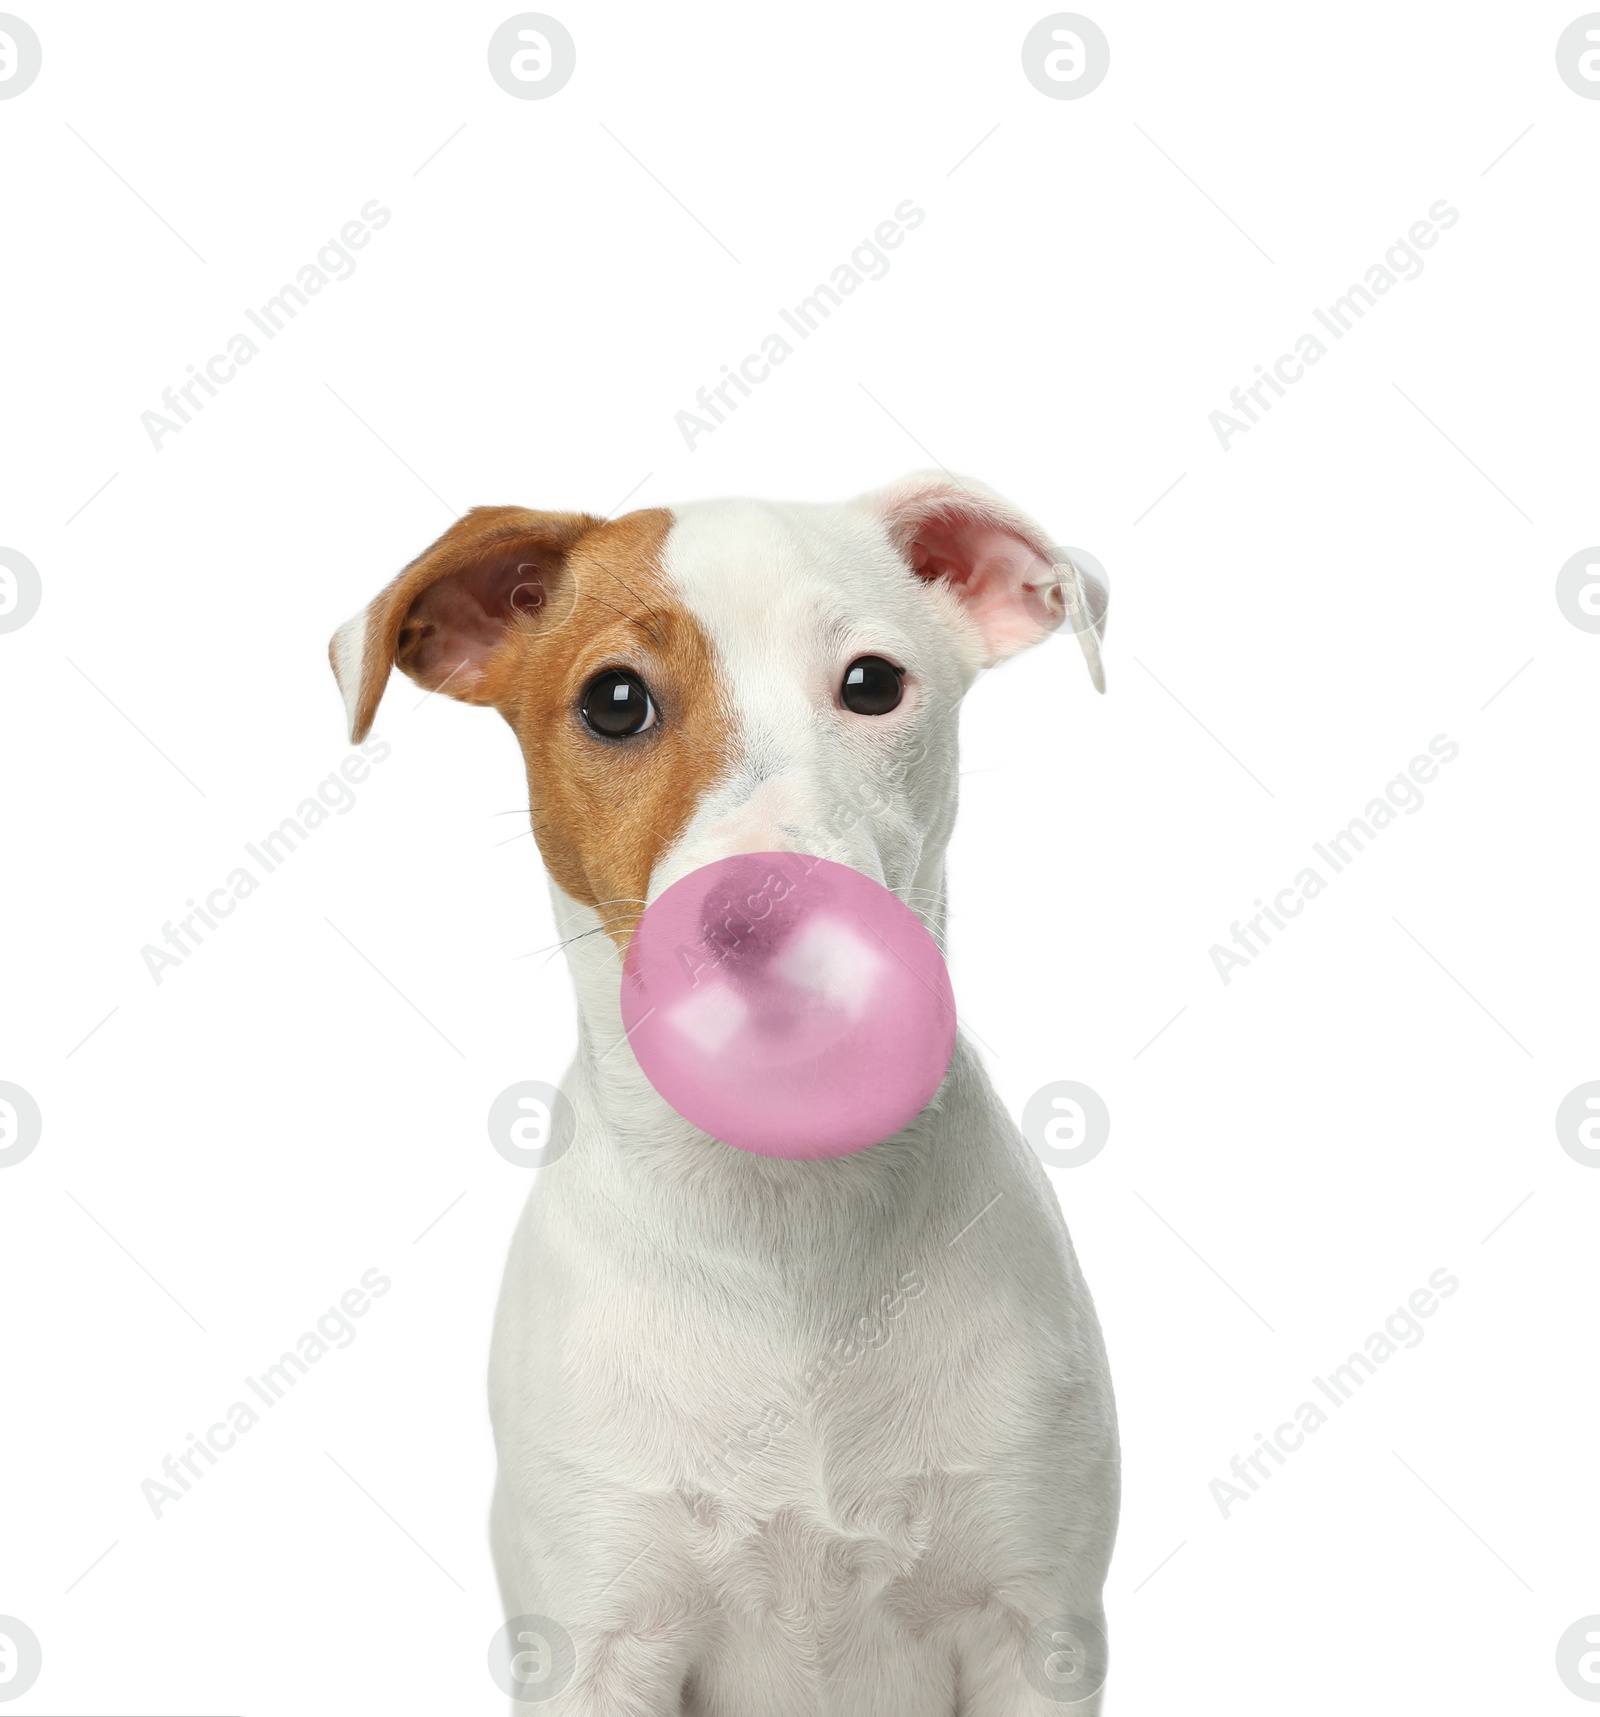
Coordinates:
860 1476
812 1526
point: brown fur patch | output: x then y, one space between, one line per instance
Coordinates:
521 610
604 811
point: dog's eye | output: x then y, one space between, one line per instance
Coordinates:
617 706
871 686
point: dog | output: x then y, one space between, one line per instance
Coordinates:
775 1438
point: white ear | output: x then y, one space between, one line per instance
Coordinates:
1013 584
347 652
1086 598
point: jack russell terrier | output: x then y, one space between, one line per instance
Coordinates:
776 1438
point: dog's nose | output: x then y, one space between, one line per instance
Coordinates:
752 906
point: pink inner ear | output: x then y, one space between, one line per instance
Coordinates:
458 637
457 624
1009 590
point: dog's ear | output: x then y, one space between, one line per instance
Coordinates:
1013 584
452 608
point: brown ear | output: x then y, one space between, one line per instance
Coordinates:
453 606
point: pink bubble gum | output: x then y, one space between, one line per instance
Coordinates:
788 1005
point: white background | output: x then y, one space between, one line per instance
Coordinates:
1290 624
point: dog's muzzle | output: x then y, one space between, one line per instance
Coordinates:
788 1005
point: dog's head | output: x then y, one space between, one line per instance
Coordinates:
727 676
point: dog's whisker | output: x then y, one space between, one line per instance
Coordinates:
634 594
598 930
532 829
562 946
604 604
604 924
567 941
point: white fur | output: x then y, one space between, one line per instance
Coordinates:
349 649
888 1529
